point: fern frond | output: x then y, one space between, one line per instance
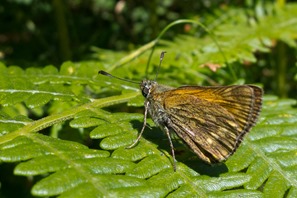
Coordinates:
47 100
268 152
145 170
238 35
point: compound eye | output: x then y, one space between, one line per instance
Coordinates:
145 91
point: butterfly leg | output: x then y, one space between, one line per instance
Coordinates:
171 146
146 104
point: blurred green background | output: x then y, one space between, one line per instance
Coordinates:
50 32
38 33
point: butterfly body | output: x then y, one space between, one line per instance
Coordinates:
210 120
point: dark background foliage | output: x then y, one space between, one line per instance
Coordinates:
35 33
44 32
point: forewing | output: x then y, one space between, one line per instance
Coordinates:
212 120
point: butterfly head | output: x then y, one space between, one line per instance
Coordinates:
146 87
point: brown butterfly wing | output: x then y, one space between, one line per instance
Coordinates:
212 120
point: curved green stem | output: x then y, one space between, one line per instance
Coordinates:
38 125
182 21
152 45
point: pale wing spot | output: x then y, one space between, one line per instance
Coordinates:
189 132
231 123
224 154
209 140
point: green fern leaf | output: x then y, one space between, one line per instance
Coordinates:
63 101
261 152
238 42
262 162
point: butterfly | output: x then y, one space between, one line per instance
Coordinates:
211 120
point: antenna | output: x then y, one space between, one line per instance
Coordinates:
131 81
161 59
109 75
